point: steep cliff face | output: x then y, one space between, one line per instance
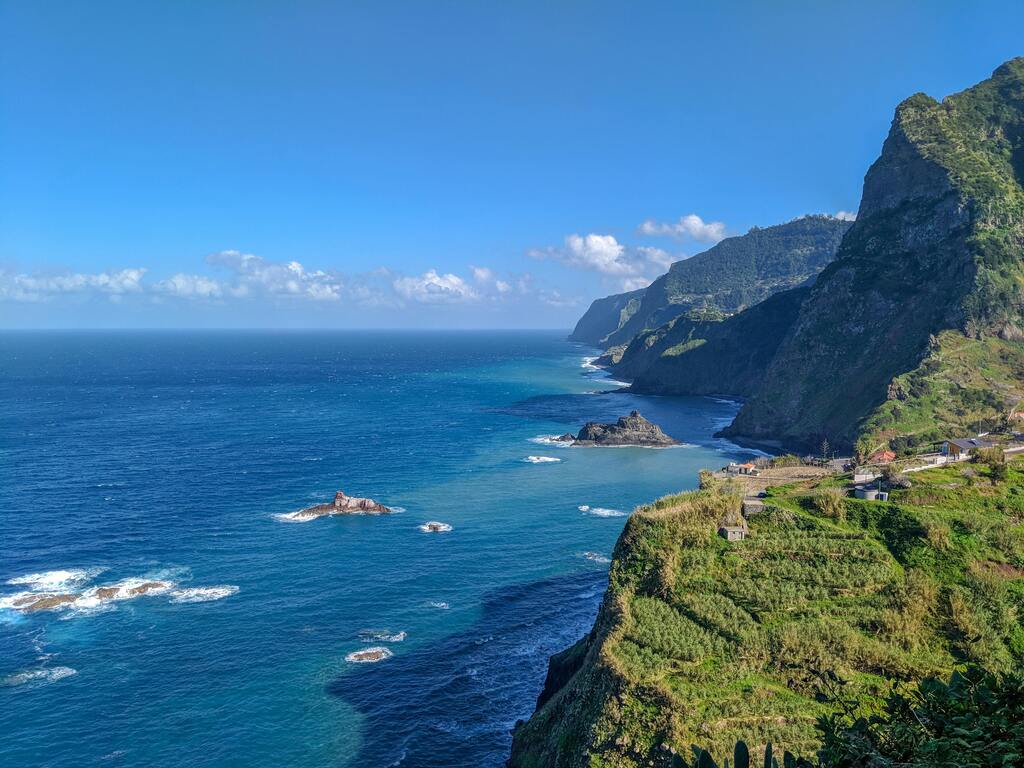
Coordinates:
736 273
938 248
727 357
605 316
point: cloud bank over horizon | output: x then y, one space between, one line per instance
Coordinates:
245 280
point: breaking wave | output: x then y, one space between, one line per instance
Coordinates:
550 440
203 594
381 636
56 581
600 511
48 675
435 527
541 459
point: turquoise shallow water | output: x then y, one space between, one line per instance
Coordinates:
171 455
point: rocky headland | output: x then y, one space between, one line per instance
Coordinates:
628 430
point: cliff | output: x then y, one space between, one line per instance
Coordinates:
915 329
698 357
736 273
605 316
701 642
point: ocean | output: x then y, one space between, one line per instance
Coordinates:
174 458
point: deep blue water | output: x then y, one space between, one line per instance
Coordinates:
169 456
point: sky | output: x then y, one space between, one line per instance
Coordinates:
432 164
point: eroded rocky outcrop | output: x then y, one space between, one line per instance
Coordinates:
344 505
628 430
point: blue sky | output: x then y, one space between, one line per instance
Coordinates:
444 164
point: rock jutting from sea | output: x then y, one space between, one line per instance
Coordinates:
628 430
343 505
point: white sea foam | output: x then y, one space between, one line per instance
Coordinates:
56 581
312 458
616 382
433 526
203 594
550 440
600 511
596 557
588 363
83 600
439 604
381 636
47 675
293 517
541 459
369 655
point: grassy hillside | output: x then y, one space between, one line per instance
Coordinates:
703 642
936 252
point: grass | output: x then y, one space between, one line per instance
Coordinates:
702 642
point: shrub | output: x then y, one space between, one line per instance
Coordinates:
831 503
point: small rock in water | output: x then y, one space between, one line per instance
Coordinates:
628 430
343 505
369 655
435 527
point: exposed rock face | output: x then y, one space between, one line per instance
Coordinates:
628 430
50 601
32 603
344 505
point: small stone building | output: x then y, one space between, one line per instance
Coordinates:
733 532
752 506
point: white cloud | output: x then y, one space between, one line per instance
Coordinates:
24 287
846 215
236 276
691 227
190 286
432 288
633 267
255 274
635 283
483 275
555 299
657 258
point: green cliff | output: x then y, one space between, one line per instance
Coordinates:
737 273
692 356
701 642
915 330
605 316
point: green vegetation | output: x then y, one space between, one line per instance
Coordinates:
703 643
975 720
